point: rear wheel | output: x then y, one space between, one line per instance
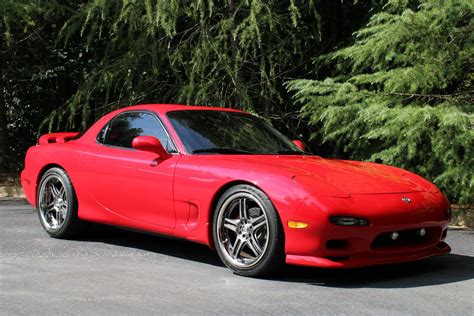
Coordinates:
57 204
247 232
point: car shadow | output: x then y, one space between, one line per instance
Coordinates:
153 243
445 269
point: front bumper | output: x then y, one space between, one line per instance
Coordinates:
345 247
368 259
324 244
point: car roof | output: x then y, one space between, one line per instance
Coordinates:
164 108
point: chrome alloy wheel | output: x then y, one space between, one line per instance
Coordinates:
242 230
53 205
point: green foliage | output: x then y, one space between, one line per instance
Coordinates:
16 14
71 61
403 93
36 77
231 54
400 91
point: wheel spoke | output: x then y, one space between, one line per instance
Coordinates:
54 220
63 210
258 222
254 245
237 247
54 191
62 192
48 211
231 224
47 206
243 208
59 214
48 195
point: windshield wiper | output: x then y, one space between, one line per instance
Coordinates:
221 150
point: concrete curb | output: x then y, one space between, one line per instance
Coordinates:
11 191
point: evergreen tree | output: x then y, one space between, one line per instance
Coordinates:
100 55
403 93
36 76
400 93
235 53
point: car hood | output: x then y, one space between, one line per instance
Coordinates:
350 177
355 177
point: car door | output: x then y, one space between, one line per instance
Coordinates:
134 185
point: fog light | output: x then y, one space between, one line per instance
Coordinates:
348 221
421 232
394 236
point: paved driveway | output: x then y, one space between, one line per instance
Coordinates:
119 272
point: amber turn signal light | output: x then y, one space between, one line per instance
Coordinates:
298 225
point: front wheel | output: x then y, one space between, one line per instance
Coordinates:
247 232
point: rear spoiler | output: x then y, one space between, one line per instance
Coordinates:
56 137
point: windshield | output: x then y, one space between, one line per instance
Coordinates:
223 132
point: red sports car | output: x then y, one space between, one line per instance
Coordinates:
229 180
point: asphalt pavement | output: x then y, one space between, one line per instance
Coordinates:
112 271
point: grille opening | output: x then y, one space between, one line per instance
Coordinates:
337 244
407 238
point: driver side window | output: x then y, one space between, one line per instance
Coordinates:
125 127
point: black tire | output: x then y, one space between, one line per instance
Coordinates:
249 232
70 225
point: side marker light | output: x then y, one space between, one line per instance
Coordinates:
297 225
